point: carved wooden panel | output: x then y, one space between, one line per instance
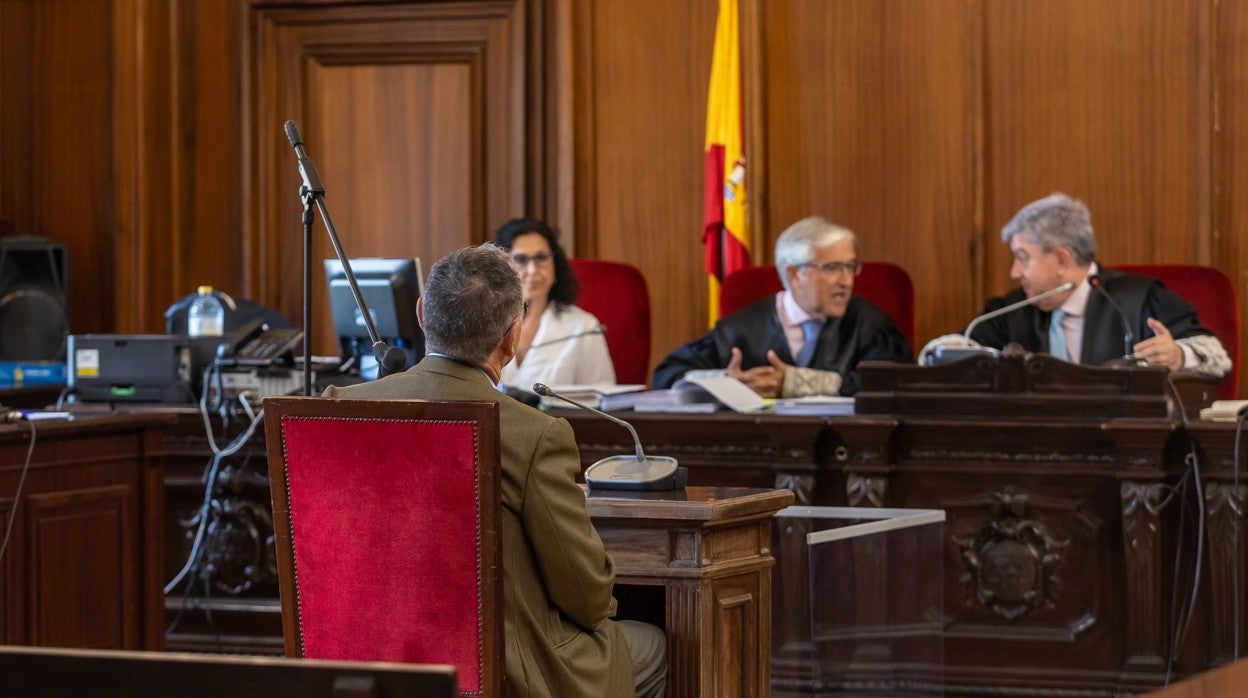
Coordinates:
77 538
414 116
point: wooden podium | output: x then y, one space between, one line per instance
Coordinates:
709 549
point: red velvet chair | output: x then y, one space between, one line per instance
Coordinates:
616 293
885 284
1213 294
386 516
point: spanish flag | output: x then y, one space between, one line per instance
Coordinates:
724 227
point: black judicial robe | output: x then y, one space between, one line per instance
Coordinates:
864 333
1140 298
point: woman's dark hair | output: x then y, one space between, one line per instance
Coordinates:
566 288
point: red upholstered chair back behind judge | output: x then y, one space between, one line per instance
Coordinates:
1213 295
885 284
616 294
386 516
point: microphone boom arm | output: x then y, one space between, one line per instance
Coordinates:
1015 306
544 390
389 360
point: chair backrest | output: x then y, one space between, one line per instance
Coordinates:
1213 295
885 284
43 671
386 517
616 293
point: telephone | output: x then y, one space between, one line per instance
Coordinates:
257 344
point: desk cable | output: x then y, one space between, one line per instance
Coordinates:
21 480
204 514
1180 620
1237 513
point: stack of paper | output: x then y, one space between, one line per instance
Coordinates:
706 394
1223 410
591 395
816 406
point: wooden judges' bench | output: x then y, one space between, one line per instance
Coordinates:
1060 537
1061 529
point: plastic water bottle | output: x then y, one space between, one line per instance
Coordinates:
206 317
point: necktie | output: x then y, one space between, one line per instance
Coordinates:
1057 336
810 333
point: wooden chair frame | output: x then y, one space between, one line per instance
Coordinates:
484 416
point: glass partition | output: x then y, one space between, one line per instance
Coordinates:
858 602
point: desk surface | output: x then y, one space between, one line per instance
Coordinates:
707 504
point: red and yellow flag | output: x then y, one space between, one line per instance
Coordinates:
725 230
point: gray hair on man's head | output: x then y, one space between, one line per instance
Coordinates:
799 242
470 300
1052 222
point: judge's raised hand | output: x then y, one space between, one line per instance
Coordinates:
764 380
1160 349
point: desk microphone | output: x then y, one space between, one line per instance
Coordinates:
600 329
1128 337
943 355
636 472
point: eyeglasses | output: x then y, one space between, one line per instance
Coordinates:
522 260
853 266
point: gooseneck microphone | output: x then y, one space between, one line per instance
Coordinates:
636 472
389 359
947 354
1128 337
600 329
1069 285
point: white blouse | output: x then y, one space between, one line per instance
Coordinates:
573 361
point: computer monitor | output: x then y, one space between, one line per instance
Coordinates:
390 288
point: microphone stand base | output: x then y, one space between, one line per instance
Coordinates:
652 473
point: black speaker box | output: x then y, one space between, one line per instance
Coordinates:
34 299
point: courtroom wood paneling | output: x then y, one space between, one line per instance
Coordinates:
871 120
1230 156
415 116
1109 102
146 136
83 566
56 157
77 539
642 73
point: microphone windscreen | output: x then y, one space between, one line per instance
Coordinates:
392 361
292 133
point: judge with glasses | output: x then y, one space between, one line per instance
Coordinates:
807 339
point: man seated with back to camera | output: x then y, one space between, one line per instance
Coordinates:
807 339
557 577
1052 242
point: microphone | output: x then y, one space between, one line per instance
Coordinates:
941 355
637 472
311 179
1069 285
600 329
1128 337
389 359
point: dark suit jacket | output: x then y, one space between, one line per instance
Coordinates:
1140 298
864 333
557 577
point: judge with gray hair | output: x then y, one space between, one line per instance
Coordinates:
1052 243
805 340
561 639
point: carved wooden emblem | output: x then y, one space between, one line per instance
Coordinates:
1012 561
